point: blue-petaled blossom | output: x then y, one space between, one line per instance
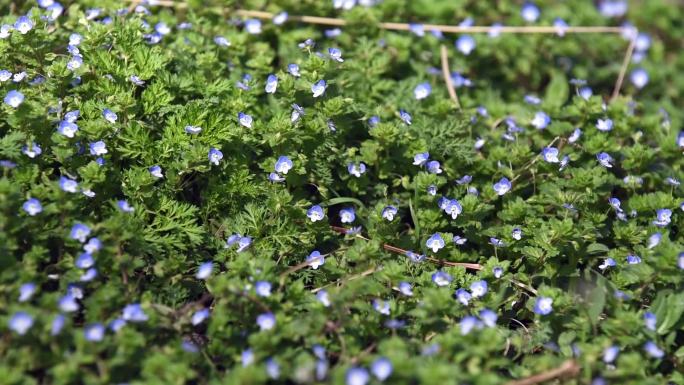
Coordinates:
654 240
435 242
253 26
204 270
68 184
604 125
5 30
136 80
23 25
441 278
564 163
293 69
561 26
85 261
615 204
335 54
94 332
271 84
14 98
109 115
453 207
653 350
464 180
468 323
382 307
478 289
88 275
375 120
405 288
529 12
67 129
245 120
315 213
315 259
575 135
639 77
57 324
585 92
297 113
190 129
199 316
502 186
421 158
5 75
221 41
417 29
356 169
516 233
266 321
332 33
318 88
465 44
272 369
243 243
432 190
532 99
18 77
72 116
460 241
612 8
663 217
347 215
405 117
672 181
215 155
550 154
280 18
68 303
434 167
357 376
26 291
162 28
540 120
610 354
97 148
283 165
134 313
75 62
422 91
156 171
650 321
124 206
32 151
321 369
79 232
633 259
389 212
117 324
608 262
32 207
414 257
262 288
381 368
604 159
543 305
20 322
322 297
498 272
488 317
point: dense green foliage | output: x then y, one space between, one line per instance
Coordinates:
156 231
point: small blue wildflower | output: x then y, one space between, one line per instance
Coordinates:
529 12
478 288
357 376
117 324
604 125
321 369
272 369
156 171
422 91
315 259
322 297
20 322
315 213
541 120
57 324
464 180
67 129
608 262
561 26
280 18
243 243
382 307
434 167
610 354
215 156
639 77
125 206
498 272
356 169
654 240
488 317
516 233
465 44
271 84
204 270
612 8
389 212
680 261
468 323
650 321
297 113
435 242
432 190
293 69
672 181
633 259
335 54
85 261
585 92
375 120
406 289
14 98
32 151
575 135
26 291
318 88
162 28
405 117
441 278
266 321
68 303
80 232
663 217
460 241
109 115
421 158
347 215
653 350
94 332
615 204
253 26
5 75
68 184
417 29
23 25
453 208
502 186
88 275
98 148
414 257
604 159
189 346
332 33
245 120
543 305
221 41
32 207
283 165
136 80
381 368
532 99
550 154
5 30
134 313
262 288
199 316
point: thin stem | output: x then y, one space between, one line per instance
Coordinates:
447 76
625 64
568 368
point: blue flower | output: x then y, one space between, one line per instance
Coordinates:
654 240
335 54
33 151
468 323
433 167
272 367
67 184
435 242
14 98
199 316
271 84
432 190
585 92
253 26
243 243
156 171
280 18
405 117
72 116
680 261
502 186
422 91
604 125
297 113
357 376
604 159
136 80
293 69
540 120
20 322
125 206
332 33
464 180
608 262
23 25
639 77
672 181
532 99
633 259
204 270
421 158
381 368
460 241
414 257
94 245
162 28
315 213
382 307
610 354
80 232
98 148
245 120
550 154
221 41
613 8
117 324
109 115
441 278
615 204
543 305
389 212
375 120
575 135
75 62
465 44
318 88
516 233
26 291
5 30
68 303
67 129
488 317
85 261
356 169
498 272
417 29
453 208
406 289
663 217
134 313
283 165
347 215
322 297
266 321
32 207
215 156
653 350
57 324
315 259
94 332
262 288
478 288
561 26
529 12
89 275
650 321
